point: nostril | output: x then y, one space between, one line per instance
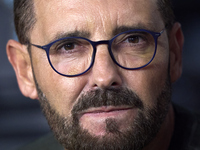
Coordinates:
114 84
102 85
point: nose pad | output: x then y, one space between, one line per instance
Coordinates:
105 73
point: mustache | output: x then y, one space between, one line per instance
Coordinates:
107 97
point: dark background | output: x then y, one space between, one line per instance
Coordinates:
21 120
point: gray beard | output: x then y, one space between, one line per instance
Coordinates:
140 132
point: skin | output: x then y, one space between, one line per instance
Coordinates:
99 19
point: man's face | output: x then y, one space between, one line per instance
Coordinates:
105 84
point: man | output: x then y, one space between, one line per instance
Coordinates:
102 71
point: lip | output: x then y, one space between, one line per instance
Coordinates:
106 109
94 119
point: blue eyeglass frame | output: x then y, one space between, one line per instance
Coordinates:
95 44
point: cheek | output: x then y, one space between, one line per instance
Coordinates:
60 91
149 81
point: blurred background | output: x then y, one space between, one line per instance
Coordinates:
21 120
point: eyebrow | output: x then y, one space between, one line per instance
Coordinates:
121 29
75 33
87 35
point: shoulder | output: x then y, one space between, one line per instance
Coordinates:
48 142
187 130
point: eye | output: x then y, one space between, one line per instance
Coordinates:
71 45
68 46
133 39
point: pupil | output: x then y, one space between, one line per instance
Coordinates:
69 46
133 39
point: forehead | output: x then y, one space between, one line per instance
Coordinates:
94 16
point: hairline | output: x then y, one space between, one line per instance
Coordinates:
33 20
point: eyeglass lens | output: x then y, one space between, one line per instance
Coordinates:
72 56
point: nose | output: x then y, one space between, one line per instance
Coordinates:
105 73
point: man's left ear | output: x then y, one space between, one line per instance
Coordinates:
176 41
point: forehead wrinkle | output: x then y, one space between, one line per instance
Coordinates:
82 21
45 8
151 22
105 19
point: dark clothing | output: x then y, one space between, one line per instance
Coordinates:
186 134
187 130
47 142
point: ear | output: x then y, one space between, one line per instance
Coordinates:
20 60
176 41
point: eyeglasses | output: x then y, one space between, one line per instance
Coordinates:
74 56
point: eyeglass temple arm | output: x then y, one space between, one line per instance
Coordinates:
38 46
